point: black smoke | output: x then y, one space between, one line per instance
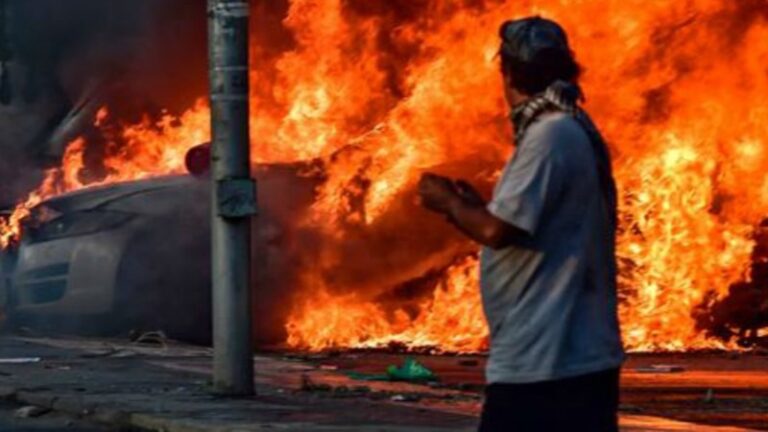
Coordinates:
68 58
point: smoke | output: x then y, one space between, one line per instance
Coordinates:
71 58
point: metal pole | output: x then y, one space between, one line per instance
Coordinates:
233 192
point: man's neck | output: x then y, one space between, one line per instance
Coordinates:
517 98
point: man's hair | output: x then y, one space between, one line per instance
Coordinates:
535 53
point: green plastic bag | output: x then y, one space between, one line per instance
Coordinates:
411 370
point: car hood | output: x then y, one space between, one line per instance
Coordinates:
100 196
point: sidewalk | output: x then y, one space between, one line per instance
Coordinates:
166 388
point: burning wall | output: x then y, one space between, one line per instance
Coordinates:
377 92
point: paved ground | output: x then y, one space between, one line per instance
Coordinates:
49 422
120 384
148 387
710 388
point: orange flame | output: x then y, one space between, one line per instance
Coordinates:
684 128
379 95
145 150
449 321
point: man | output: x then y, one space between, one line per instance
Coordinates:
548 272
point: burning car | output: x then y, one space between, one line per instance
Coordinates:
107 259
131 256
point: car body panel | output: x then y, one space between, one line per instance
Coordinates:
76 282
152 272
88 267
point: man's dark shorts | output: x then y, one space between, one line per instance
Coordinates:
586 403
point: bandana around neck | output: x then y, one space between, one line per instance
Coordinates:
559 96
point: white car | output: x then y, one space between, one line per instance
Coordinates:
136 256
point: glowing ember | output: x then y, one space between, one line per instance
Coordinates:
377 97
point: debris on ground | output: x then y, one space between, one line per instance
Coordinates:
660 368
342 391
356 392
31 411
101 353
709 396
407 397
57 367
157 337
124 353
359 376
19 360
361 389
308 385
634 409
110 352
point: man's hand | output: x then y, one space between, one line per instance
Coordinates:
466 209
437 193
469 194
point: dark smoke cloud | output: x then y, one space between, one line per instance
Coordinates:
137 57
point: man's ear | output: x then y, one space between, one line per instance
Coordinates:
507 78
509 90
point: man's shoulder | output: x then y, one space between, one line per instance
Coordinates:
553 129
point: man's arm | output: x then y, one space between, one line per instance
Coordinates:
477 223
466 209
530 183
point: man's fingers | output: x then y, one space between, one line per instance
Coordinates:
426 179
428 176
431 181
468 192
464 186
466 189
435 177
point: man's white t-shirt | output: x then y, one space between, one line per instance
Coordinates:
550 300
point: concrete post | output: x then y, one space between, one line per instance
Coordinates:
233 192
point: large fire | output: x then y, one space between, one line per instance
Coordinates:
382 91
